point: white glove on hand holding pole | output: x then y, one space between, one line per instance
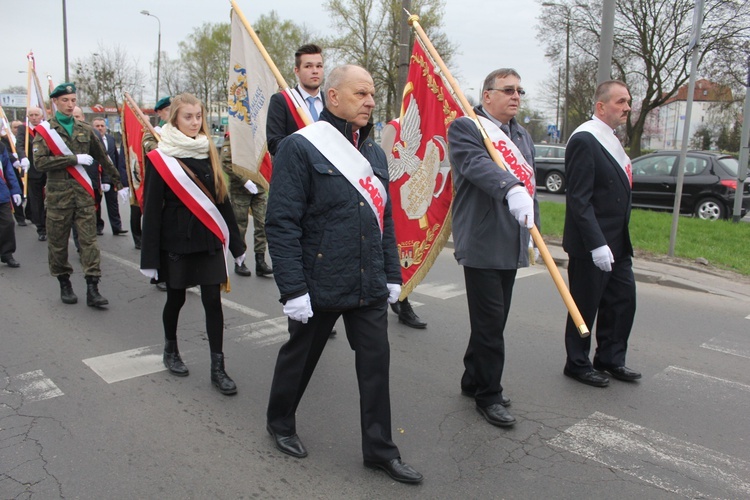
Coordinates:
299 308
521 206
250 186
603 258
25 164
84 159
394 290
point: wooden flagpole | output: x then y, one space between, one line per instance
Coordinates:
276 73
535 234
26 128
140 116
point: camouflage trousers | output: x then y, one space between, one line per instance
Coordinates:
60 221
242 205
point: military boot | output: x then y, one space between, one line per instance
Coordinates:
261 268
173 361
66 290
219 377
93 298
406 316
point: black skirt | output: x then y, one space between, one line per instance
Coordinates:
186 270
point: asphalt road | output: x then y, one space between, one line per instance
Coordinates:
87 410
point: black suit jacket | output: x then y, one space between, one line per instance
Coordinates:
597 200
280 122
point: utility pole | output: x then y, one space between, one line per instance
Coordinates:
744 151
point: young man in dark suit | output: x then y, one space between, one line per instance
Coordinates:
597 240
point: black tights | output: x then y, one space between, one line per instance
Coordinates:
211 298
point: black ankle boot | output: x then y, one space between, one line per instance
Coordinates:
261 268
66 290
219 377
406 316
173 361
93 298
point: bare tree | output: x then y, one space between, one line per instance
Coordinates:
281 38
106 75
205 59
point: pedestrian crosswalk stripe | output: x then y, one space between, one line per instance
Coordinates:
447 291
728 347
665 462
683 373
262 333
35 386
129 364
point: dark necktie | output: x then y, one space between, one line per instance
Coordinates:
506 130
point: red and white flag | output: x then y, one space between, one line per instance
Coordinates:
132 139
35 95
251 85
421 186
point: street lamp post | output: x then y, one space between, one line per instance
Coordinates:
158 53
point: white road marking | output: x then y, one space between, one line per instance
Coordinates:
225 302
747 317
125 365
36 387
728 347
446 291
667 463
263 333
682 373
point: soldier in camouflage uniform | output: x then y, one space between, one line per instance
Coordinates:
68 202
246 196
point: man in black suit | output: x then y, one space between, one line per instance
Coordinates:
597 240
113 209
282 117
36 180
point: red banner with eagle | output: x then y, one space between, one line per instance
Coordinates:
421 186
132 138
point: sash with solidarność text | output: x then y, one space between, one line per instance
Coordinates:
57 147
512 156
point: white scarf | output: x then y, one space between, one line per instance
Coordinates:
176 144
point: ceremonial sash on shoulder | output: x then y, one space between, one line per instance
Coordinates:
191 195
295 102
512 156
57 147
607 138
353 166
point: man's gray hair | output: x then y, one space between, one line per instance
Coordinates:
498 73
604 89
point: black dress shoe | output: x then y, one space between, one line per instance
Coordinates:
118 232
11 262
291 445
42 237
398 470
242 270
589 378
497 415
407 316
504 400
619 372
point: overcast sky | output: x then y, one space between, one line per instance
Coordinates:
489 34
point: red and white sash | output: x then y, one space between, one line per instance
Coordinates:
191 195
57 147
353 166
607 138
512 156
295 103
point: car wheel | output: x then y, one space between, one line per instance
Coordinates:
555 183
710 209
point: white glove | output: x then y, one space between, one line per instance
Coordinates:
16 164
250 186
533 251
25 164
150 273
124 194
521 206
239 260
85 159
603 258
106 187
17 200
394 290
299 308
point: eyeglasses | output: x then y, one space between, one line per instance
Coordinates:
509 91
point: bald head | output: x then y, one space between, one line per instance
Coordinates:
78 114
350 94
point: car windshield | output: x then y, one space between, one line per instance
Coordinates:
730 164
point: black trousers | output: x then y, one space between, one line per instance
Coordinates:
488 292
113 210
367 332
610 299
35 202
135 224
7 231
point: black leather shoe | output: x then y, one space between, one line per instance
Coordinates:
42 237
11 262
261 268
242 270
291 445
407 316
619 372
504 400
396 307
589 378
398 470
118 232
497 415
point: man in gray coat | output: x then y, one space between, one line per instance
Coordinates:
493 210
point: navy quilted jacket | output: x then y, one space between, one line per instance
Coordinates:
322 235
